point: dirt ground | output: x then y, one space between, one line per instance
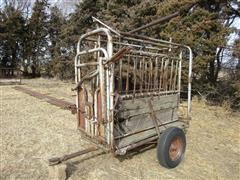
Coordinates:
33 131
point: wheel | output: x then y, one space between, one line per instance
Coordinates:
171 147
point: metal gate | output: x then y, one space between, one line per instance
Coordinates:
94 101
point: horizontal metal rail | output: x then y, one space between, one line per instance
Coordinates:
147 94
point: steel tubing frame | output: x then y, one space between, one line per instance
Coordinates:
144 58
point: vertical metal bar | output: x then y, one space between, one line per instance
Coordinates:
127 80
77 71
170 45
102 89
175 75
171 76
179 73
141 75
91 107
108 104
146 76
120 76
166 74
189 81
77 92
81 108
135 77
153 117
98 43
111 106
95 104
110 87
149 76
161 75
156 74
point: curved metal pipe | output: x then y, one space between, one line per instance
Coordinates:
104 30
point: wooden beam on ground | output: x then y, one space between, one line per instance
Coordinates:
51 100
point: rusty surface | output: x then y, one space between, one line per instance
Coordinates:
81 108
132 66
161 20
116 57
176 148
140 131
57 160
51 100
153 117
100 115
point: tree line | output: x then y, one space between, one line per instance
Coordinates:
42 41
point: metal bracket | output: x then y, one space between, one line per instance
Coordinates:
153 117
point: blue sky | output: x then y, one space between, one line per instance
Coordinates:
236 24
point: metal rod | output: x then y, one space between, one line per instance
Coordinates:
149 76
189 83
179 73
57 160
166 47
141 75
145 94
171 76
161 75
165 75
161 20
156 74
145 76
123 150
153 117
87 64
175 76
127 81
94 32
146 39
100 22
120 75
135 76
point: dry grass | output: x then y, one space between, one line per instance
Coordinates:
33 130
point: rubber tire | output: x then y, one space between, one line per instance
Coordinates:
163 146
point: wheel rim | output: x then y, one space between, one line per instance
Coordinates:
176 148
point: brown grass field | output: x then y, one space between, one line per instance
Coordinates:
33 131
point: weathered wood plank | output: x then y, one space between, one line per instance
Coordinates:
143 121
131 112
142 103
146 134
134 115
128 113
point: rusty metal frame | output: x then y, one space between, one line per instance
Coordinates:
152 67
